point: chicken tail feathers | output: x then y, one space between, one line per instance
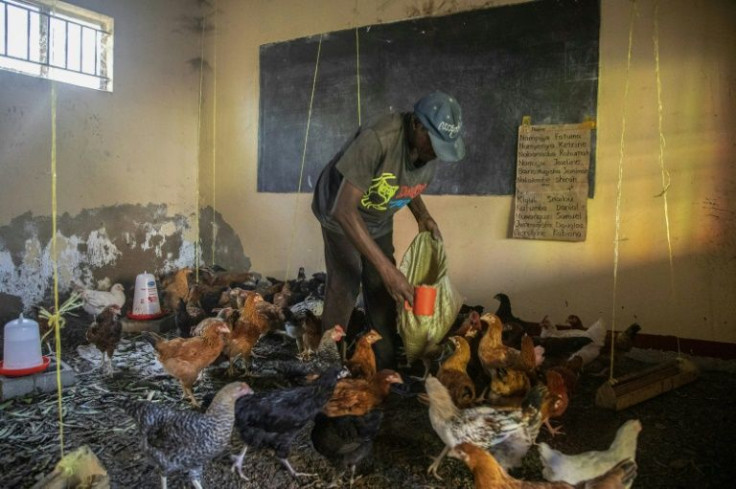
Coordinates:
535 397
152 338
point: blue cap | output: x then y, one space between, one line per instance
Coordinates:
441 115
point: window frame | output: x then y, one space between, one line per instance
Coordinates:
49 23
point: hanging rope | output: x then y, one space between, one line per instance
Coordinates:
214 135
662 142
197 246
619 186
55 320
304 157
357 71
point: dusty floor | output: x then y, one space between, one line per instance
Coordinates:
686 441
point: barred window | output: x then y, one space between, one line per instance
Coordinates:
56 40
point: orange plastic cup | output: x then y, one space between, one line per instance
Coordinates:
424 299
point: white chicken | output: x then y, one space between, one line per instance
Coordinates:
97 300
588 465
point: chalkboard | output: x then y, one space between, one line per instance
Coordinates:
538 59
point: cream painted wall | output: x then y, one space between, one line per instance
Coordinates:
136 145
689 292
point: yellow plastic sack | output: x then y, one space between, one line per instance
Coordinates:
425 263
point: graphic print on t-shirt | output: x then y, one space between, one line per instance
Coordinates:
379 194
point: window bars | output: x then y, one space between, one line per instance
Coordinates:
58 41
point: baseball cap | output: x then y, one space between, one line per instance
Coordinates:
440 113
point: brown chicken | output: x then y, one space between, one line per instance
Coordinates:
246 330
185 358
493 354
362 363
556 385
312 332
105 334
359 396
488 474
175 287
453 374
515 380
282 298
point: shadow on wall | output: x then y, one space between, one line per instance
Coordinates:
99 247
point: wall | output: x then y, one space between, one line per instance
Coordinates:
666 260
126 160
151 149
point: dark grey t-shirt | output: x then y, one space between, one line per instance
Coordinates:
377 162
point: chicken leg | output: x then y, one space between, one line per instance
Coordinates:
294 473
238 463
436 464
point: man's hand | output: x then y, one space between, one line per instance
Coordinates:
397 285
431 226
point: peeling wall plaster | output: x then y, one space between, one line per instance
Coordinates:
104 245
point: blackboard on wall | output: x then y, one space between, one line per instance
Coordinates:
538 59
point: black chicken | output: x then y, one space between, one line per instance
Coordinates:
185 440
295 370
272 419
346 441
514 327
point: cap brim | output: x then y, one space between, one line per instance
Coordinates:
450 151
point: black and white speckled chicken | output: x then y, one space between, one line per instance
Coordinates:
507 433
347 441
184 440
272 419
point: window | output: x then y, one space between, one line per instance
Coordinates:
58 41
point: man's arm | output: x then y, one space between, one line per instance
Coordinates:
424 220
345 212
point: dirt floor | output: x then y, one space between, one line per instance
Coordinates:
686 440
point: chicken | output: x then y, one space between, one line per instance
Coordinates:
326 356
105 334
575 468
507 432
246 330
569 372
625 340
208 297
175 287
453 374
272 419
516 379
556 385
346 441
185 358
312 327
177 440
493 354
224 278
551 329
360 396
488 474
517 325
362 363
97 300
187 317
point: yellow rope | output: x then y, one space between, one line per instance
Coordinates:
619 187
199 153
55 321
214 134
665 173
357 70
304 157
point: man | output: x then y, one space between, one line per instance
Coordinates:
383 168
